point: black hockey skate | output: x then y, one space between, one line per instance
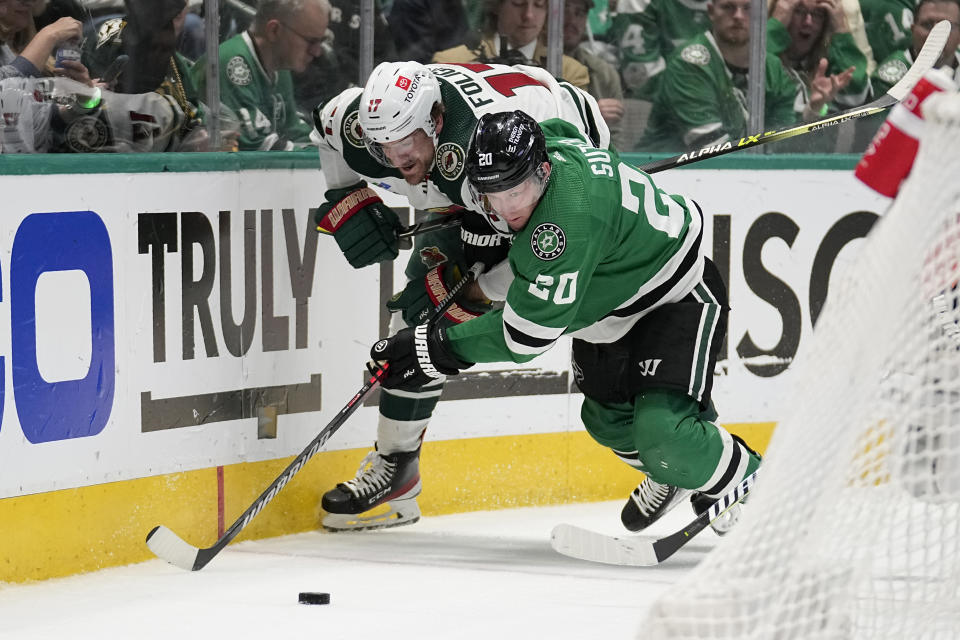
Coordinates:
393 479
649 502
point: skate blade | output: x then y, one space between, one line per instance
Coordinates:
398 514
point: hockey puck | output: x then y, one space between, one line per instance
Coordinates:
313 597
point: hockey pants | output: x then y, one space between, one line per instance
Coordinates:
664 433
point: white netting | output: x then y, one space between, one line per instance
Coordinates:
853 530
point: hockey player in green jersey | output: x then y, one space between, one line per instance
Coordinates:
602 254
407 131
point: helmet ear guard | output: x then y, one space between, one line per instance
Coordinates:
397 100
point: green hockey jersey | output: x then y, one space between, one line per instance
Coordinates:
604 246
890 71
646 32
887 23
842 53
263 103
703 103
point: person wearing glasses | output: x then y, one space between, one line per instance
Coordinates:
255 72
814 41
926 15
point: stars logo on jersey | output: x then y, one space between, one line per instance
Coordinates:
696 54
352 130
548 241
110 30
892 70
450 157
238 72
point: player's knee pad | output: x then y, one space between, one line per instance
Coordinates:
608 424
674 444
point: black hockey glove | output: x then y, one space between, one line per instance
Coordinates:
365 229
482 242
417 356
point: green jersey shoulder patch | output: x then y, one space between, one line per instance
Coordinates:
892 70
696 54
239 72
547 241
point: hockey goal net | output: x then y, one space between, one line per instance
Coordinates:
853 529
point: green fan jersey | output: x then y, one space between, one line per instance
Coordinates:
603 247
890 71
702 102
842 53
468 91
263 102
646 32
887 23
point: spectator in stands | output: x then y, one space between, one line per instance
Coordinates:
513 33
887 25
28 51
927 14
162 70
702 96
255 66
604 78
813 40
420 28
647 32
338 67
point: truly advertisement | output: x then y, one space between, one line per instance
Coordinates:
165 322
154 323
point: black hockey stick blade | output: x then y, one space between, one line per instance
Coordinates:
927 57
452 217
641 551
406 234
166 544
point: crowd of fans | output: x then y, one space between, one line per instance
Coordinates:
668 75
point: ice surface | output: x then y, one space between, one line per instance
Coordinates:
475 575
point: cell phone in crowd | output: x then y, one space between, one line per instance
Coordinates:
114 70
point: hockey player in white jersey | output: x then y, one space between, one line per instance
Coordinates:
407 131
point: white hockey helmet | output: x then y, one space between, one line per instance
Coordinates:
396 101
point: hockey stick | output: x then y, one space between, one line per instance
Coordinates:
406 234
172 548
641 551
927 57
453 215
